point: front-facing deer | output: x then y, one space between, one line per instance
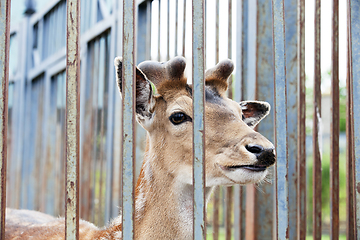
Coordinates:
234 154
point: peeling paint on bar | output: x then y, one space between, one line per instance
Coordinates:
316 126
281 144
72 119
4 82
301 123
128 119
354 17
198 77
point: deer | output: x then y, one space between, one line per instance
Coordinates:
234 154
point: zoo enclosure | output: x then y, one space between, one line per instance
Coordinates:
33 87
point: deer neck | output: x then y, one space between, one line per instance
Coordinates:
164 204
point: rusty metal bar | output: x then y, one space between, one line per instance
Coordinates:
159 25
240 94
72 119
262 211
281 144
216 203
228 212
4 81
168 31
335 126
229 190
301 202
316 128
184 29
176 26
291 42
350 215
354 43
128 119
198 78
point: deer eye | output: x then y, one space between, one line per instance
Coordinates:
179 117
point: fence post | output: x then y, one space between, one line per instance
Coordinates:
4 82
72 119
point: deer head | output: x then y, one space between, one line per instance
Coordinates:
234 152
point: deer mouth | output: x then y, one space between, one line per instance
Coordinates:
254 168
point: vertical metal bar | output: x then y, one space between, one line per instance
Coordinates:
354 7
301 123
216 203
176 26
168 31
159 25
228 212
198 76
129 143
239 94
316 128
184 29
350 215
72 119
148 28
281 143
229 190
291 42
262 211
4 81
334 127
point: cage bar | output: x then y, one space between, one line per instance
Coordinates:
72 119
184 29
334 127
229 190
281 143
159 26
262 212
198 77
350 215
4 81
316 127
301 202
354 17
216 196
291 41
128 119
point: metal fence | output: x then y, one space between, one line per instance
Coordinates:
63 104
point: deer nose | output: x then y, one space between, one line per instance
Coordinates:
255 149
265 156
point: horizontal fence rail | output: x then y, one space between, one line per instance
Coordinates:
79 142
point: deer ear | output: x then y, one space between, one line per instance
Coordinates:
217 76
254 112
144 97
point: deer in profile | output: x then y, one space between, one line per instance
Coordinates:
234 154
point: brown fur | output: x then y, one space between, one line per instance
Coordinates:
164 195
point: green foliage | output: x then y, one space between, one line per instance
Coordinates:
325 189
